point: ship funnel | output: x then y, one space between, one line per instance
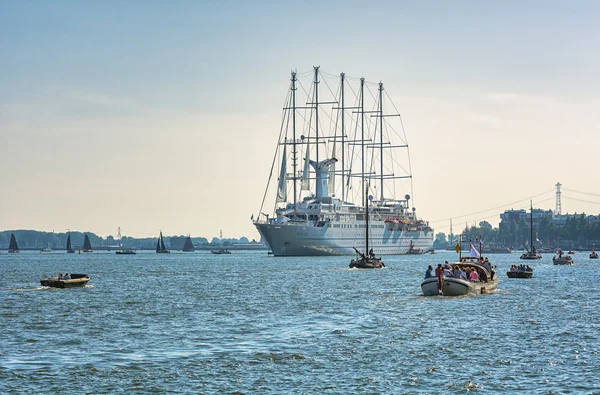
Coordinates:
322 170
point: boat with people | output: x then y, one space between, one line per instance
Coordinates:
87 246
531 254
472 275
520 271
220 251
365 261
562 259
12 245
125 251
69 247
415 251
66 281
160 245
594 255
571 252
47 249
318 206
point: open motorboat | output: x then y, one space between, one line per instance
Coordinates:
76 280
520 271
221 251
125 251
562 259
571 252
593 255
451 286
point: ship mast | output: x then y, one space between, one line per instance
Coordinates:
362 144
381 137
316 104
294 147
366 197
343 150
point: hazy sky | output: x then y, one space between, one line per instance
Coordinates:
156 115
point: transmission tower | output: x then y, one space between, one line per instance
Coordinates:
558 207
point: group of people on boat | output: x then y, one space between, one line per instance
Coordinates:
520 268
462 272
67 276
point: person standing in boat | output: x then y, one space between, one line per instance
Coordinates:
438 274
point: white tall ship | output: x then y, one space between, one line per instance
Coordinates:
332 144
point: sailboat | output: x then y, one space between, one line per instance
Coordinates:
70 249
188 246
318 176
87 246
531 254
160 245
368 259
13 247
593 255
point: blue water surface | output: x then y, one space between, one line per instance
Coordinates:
253 323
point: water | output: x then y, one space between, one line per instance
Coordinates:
252 323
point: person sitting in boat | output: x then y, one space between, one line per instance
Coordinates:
448 271
371 254
458 273
66 277
60 276
473 276
428 272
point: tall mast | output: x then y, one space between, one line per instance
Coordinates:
317 109
381 137
343 150
362 144
294 156
367 218
531 225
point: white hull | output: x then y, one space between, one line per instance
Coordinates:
457 287
303 240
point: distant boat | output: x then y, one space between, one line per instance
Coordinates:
593 255
87 246
46 249
160 245
368 259
188 246
562 259
125 251
531 254
77 280
70 249
13 247
221 251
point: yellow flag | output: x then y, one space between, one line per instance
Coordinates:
457 248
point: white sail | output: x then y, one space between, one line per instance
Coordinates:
306 172
282 188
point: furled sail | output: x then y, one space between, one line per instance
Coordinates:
305 186
282 188
331 185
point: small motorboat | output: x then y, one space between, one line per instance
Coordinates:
220 252
125 252
521 271
46 250
562 259
593 255
571 252
76 280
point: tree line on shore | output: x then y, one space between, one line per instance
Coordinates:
577 233
34 239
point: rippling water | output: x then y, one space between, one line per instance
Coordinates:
252 323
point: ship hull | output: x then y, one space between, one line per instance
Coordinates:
303 240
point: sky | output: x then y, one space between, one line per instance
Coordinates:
151 115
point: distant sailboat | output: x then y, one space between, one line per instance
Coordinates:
70 249
13 247
87 246
160 245
188 246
